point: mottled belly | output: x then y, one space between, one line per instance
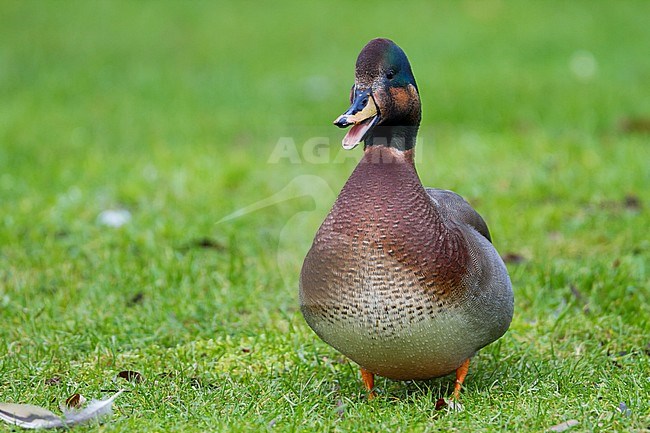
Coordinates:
379 313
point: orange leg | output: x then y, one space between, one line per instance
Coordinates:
461 372
369 381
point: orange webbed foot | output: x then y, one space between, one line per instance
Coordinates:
369 382
461 372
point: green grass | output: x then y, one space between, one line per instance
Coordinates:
172 111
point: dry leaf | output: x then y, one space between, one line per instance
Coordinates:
131 376
632 202
440 403
208 244
513 258
75 401
135 299
204 243
54 380
639 125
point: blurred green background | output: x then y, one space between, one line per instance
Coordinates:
182 113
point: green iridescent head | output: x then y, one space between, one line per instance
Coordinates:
383 62
385 101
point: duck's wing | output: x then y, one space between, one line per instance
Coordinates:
458 209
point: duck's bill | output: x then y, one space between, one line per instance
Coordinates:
362 116
358 132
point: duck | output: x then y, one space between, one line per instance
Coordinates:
401 279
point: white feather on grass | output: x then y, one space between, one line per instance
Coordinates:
33 417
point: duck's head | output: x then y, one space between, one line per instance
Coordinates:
385 101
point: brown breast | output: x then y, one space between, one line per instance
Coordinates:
384 204
385 263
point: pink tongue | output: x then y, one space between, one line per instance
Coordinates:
356 133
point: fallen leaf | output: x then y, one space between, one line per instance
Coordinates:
54 380
513 258
61 233
205 243
635 125
440 403
564 425
135 299
210 243
632 202
75 401
629 202
131 376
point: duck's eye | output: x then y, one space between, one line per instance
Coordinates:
390 74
